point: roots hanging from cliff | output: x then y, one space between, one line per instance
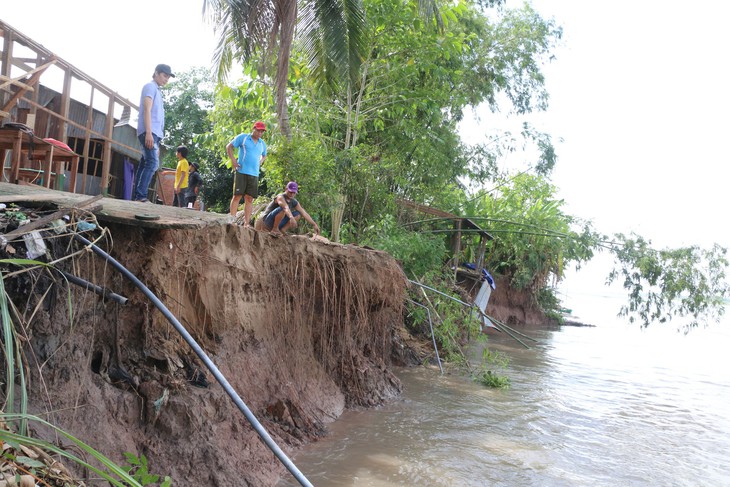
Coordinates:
37 271
334 308
299 328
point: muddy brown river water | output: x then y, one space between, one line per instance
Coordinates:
606 406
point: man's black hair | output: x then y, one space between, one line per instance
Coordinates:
183 151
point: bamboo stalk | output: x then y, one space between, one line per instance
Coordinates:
512 329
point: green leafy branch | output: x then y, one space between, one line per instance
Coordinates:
108 470
687 282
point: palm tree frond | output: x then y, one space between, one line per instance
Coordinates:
244 27
332 38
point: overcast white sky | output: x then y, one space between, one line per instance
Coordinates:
639 94
118 44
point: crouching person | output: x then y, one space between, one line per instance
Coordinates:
284 212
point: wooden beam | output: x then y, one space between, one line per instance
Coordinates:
6 56
135 150
15 82
11 35
65 105
32 81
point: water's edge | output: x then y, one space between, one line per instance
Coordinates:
608 405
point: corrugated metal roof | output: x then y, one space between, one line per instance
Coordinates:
122 132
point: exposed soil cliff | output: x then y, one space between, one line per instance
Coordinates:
506 304
301 329
515 306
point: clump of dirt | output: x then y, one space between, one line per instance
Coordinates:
515 306
506 304
300 329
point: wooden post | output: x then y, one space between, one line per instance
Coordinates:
7 55
107 151
87 141
65 105
35 97
17 154
74 172
47 163
480 253
7 52
457 247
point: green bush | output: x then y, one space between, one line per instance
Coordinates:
418 253
490 379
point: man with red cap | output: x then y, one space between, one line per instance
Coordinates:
251 155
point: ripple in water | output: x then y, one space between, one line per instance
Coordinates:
600 406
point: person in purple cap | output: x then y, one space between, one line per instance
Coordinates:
150 130
284 212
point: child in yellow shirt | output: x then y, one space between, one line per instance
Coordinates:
181 177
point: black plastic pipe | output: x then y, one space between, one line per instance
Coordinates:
208 363
101 291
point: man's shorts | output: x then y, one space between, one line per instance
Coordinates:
269 220
245 184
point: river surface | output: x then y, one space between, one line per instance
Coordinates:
610 405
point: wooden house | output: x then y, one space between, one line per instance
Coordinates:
59 127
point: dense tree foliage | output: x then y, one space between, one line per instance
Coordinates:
393 135
188 102
534 238
189 105
364 142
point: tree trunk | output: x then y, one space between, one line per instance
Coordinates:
337 211
288 15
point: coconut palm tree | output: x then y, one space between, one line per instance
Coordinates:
331 34
330 31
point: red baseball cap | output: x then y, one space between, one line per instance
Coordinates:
260 126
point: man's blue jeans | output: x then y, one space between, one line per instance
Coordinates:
146 168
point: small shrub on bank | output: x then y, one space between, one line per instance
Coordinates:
490 379
418 253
